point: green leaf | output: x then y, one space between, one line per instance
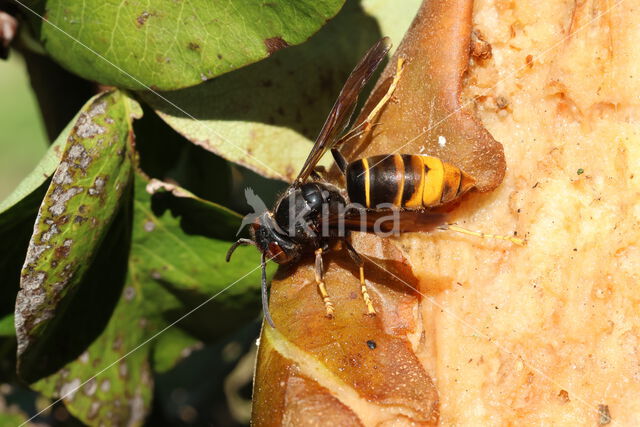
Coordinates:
45 168
101 387
40 174
85 195
17 215
171 347
13 418
7 329
16 226
172 44
203 173
171 272
265 116
214 220
393 17
180 243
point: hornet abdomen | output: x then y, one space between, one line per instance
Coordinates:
409 181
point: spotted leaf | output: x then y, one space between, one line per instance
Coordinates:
172 44
18 212
265 116
268 114
85 195
176 264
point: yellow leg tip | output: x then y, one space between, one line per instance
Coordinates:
387 96
365 294
482 235
329 310
371 311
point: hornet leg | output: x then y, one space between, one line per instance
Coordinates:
341 162
482 235
368 121
396 78
240 242
265 295
363 286
321 286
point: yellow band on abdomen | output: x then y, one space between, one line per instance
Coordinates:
416 166
367 183
399 164
433 181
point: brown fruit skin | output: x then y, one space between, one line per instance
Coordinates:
548 333
331 363
291 398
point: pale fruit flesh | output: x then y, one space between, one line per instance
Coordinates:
548 333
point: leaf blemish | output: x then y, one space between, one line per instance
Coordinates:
52 231
34 252
105 386
137 409
34 281
129 293
63 176
93 409
140 20
60 198
80 155
28 302
149 226
186 352
274 44
98 186
90 387
86 127
145 377
123 370
98 108
68 390
193 46
56 288
117 344
62 252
